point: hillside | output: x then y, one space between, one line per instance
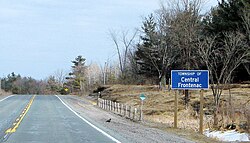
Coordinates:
159 105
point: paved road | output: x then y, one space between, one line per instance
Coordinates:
10 108
48 120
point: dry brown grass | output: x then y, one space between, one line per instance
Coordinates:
2 92
159 105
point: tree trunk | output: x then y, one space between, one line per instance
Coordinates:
230 105
160 86
216 120
162 83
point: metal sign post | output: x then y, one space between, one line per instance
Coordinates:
142 97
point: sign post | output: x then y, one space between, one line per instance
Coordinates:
142 97
201 111
175 109
191 80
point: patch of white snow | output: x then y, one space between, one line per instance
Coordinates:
231 135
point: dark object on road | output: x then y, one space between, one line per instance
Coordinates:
109 120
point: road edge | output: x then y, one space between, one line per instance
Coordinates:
6 98
92 125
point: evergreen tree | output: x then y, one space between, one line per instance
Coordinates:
154 55
227 16
230 16
145 50
76 78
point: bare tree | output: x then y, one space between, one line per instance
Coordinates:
221 59
246 21
123 46
160 53
60 76
185 28
92 74
104 72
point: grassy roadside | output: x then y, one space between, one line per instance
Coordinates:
3 93
159 107
187 133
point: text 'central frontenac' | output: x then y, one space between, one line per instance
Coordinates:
189 82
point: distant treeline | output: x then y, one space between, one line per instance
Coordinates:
17 84
176 36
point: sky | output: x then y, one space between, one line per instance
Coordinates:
39 37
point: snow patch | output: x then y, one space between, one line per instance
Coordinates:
231 135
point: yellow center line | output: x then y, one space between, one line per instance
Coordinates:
20 118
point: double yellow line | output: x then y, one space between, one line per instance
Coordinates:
20 118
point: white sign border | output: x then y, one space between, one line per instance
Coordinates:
190 88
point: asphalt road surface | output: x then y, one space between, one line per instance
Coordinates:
10 109
46 119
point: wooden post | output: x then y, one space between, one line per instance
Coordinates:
98 101
175 109
121 107
107 107
106 104
201 111
103 104
113 105
126 110
129 114
135 111
104 107
118 107
141 111
110 105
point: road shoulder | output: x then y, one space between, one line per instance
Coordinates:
123 129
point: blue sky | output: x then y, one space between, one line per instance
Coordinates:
38 37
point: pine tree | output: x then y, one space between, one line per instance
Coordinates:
227 16
154 55
76 78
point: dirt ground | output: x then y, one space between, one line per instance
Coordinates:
129 131
3 93
158 106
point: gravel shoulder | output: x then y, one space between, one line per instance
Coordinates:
119 127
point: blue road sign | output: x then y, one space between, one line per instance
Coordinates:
190 79
143 97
